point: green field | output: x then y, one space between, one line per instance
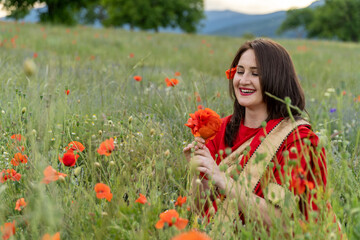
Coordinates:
146 119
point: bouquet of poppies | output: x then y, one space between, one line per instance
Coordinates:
204 123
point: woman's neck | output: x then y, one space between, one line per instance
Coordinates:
253 119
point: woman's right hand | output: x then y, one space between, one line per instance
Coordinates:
199 143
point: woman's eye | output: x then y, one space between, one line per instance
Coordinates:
255 74
240 72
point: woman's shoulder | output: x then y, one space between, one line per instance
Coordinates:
302 132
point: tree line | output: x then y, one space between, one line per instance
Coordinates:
336 19
142 14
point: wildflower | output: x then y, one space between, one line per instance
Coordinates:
176 74
103 191
67 92
29 67
7 230
69 158
171 82
35 55
298 181
192 235
75 145
332 110
137 78
18 157
20 204
142 199
204 123
200 107
92 57
343 93
51 175
171 217
180 201
17 137
198 98
47 236
230 73
9 174
106 147
131 55
167 153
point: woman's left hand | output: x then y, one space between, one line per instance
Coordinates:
207 165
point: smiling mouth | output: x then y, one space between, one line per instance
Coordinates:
246 91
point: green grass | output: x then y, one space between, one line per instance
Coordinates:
95 65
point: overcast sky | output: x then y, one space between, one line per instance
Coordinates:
249 6
255 6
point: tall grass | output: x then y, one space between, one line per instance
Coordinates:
146 119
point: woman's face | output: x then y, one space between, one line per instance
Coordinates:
246 83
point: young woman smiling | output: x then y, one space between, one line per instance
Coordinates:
269 150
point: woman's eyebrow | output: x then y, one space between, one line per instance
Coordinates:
253 68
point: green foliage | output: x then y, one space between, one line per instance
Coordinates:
336 19
59 11
152 14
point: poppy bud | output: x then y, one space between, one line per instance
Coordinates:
29 67
167 153
112 163
61 178
77 171
100 132
152 132
198 181
130 119
23 110
33 132
97 164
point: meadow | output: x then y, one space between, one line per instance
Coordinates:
60 85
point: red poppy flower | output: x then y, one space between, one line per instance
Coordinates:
137 78
171 217
142 199
298 181
67 92
17 137
69 158
9 174
7 230
35 55
176 74
180 201
47 236
20 204
230 73
204 123
171 82
103 191
131 55
106 147
192 235
18 157
200 107
51 175
75 145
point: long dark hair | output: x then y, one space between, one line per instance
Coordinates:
277 77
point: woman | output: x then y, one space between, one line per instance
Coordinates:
272 147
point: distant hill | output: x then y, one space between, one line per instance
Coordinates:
229 23
225 23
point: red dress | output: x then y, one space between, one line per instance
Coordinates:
294 141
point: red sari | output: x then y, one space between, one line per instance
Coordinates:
295 140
